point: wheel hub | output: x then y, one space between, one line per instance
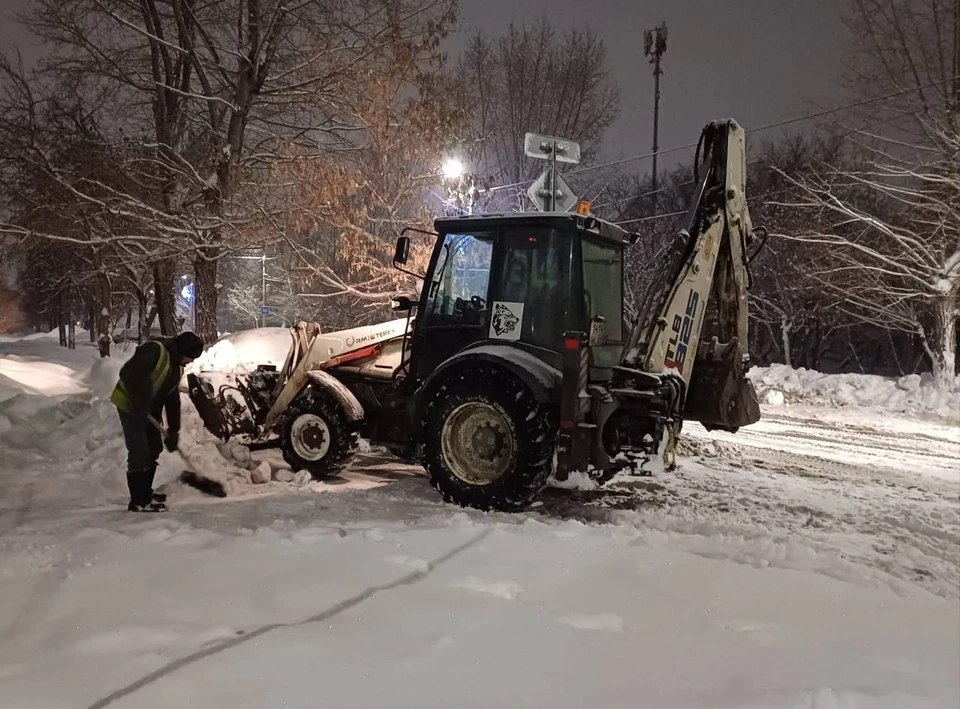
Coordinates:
310 437
488 442
477 442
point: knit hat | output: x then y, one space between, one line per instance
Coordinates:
189 344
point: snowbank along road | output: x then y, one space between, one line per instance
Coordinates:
812 560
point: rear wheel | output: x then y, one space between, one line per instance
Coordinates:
317 435
488 442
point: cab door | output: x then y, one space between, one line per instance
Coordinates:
456 310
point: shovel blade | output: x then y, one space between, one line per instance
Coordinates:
720 395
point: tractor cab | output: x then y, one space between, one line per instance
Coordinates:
520 280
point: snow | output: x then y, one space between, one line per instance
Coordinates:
283 614
576 480
242 351
943 285
780 385
810 560
507 590
601 621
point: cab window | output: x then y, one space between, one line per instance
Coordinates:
531 283
458 295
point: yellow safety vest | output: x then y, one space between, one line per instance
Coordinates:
121 398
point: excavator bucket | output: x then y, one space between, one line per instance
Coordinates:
210 413
720 395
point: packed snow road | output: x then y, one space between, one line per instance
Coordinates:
812 560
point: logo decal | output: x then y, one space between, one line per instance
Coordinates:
682 329
507 321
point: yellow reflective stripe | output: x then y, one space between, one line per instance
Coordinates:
160 370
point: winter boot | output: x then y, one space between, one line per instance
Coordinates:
141 495
150 507
155 496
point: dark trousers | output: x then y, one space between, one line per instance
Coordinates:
144 446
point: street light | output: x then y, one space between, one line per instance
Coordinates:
453 168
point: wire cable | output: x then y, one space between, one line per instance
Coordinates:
652 217
769 126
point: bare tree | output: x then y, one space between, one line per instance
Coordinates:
532 79
245 301
894 248
909 47
210 96
886 218
59 179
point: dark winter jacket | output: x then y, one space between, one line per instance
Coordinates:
135 375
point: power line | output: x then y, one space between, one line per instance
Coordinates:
769 126
643 194
652 217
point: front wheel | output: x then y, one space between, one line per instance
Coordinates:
488 442
317 435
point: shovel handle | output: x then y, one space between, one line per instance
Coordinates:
157 425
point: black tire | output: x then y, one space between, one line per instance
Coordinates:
315 416
489 391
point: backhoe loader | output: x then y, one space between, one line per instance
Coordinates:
515 361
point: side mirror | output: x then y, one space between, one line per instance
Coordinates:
402 253
402 303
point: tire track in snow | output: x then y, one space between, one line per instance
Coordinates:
887 501
230 643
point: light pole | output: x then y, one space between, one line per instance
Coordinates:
263 289
654 47
262 258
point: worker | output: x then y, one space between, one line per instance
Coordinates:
149 384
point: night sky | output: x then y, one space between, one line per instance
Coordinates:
758 61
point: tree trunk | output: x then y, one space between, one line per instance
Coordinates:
103 324
92 322
853 351
61 324
129 319
71 331
785 327
941 346
143 318
205 303
164 297
151 316
896 355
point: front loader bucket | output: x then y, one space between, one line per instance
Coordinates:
210 413
720 395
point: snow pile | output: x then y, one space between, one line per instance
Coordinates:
80 335
39 366
779 384
104 374
701 446
241 352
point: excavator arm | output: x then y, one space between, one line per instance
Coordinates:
701 290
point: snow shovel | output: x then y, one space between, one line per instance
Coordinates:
190 477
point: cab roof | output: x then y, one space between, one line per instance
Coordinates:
559 220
